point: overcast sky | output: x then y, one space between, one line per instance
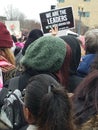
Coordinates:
31 8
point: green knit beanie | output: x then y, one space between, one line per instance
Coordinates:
46 54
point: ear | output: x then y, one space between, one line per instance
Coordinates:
28 116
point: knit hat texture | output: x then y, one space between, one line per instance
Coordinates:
45 54
5 37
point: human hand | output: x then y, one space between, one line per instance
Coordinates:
54 30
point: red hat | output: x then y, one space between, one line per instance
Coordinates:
5 37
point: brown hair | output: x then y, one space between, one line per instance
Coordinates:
92 124
63 73
8 54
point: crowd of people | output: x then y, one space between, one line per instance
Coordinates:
60 82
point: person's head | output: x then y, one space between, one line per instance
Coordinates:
85 99
87 91
73 42
48 55
6 43
33 35
91 41
46 104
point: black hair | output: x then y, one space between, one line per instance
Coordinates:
14 38
74 43
48 102
85 99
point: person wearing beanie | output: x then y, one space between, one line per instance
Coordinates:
7 59
5 37
45 54
33 35
48 54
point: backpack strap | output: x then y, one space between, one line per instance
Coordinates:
3 94
14 83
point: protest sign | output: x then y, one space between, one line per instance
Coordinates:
13 27
63 18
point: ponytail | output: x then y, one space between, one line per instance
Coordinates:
49 104
55 110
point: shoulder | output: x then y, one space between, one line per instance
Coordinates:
32 127
88 57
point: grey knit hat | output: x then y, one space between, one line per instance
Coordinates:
45 54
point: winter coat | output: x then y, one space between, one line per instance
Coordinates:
85 64
32 127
